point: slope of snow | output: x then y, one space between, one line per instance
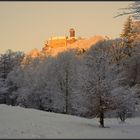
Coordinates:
17 122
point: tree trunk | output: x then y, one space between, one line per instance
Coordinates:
101 113
101 118
67 91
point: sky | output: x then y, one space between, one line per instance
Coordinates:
27 25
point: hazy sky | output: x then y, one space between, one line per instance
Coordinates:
26 25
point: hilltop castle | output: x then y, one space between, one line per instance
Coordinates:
58 44
60 41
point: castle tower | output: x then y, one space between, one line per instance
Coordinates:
72 32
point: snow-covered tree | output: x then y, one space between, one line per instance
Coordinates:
8 61
96 84
80 104
116 50
51 97
125 79
66 76
125 102
3 92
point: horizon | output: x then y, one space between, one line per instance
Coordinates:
27 25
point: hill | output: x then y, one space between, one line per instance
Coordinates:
79 45
17 122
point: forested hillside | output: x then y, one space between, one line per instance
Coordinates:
102 81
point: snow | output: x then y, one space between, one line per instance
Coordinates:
17 122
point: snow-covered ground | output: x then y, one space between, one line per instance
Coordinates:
17 122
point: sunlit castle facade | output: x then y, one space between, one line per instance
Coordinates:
60 41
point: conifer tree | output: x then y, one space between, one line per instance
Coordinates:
127 35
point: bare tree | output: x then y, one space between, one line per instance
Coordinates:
132 9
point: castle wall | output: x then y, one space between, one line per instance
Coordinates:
60 41
57 43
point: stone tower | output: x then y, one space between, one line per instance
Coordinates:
72 32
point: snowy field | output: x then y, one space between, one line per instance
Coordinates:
17 122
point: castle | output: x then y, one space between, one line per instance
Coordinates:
56 45
60 41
